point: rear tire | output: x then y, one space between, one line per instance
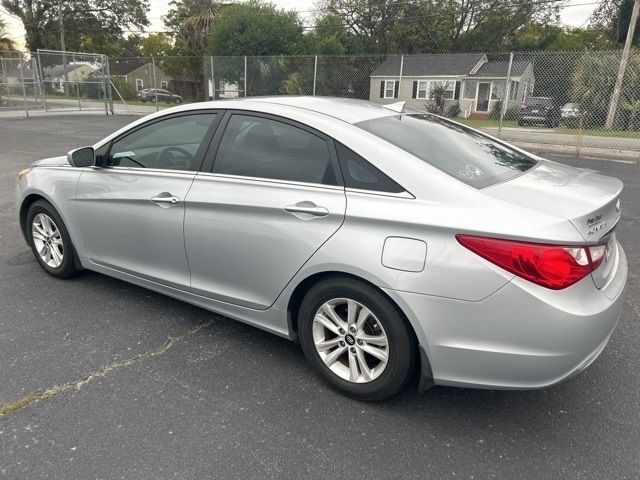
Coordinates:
50 241
375 353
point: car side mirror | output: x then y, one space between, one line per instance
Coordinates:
82 157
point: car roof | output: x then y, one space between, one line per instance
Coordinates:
345 109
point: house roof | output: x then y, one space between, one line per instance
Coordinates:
500 69
60 70
452 64
126 66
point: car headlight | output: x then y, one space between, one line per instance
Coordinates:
22 173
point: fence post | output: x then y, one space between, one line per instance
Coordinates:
33 82
245 76
155 81
401 72
24 90
108 92
75 75
42 89
4 80
507 89
213 80
104 85
315 74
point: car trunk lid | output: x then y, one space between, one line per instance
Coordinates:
591 202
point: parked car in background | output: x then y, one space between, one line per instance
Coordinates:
571 114
149 95
387 242
539 110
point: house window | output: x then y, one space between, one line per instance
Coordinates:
423 89
139 84
513 90
451 89
389 88
163 84
469 90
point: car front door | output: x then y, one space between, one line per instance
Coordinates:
272 198
131 205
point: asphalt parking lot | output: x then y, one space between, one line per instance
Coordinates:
121 382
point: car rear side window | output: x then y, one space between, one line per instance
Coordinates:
467 155
265 148
360 174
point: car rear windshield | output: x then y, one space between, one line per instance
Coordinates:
467 155
537 101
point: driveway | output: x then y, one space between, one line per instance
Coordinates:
116 381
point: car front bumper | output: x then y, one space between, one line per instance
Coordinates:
522 337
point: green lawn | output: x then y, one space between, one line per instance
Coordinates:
475 123
561 129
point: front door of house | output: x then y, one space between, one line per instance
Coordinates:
482 98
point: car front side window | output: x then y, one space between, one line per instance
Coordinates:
167 144
261 147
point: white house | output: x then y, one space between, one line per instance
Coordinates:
470 79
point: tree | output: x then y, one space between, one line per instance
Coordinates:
541 36
88 24
439 25
255 28
156 45
7 44
614 16
634 110
330 37
593 81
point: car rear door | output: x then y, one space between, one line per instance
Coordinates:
131 206
270 196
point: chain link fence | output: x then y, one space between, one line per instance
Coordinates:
544 101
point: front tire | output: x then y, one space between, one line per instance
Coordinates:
356 339
50 241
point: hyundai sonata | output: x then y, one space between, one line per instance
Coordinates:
391 244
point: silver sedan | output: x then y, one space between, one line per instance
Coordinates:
392 245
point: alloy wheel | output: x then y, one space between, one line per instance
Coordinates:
350 340
47 240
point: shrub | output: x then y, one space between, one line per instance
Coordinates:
128 92
495 111
454 110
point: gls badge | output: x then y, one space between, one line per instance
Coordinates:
594 226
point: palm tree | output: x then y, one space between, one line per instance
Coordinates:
6 42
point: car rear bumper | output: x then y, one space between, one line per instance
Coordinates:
522 337
533 118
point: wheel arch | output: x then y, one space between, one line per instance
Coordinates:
27 201
295 300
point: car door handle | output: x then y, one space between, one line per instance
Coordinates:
309 208
166 198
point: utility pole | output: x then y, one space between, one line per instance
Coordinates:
62 47
613 106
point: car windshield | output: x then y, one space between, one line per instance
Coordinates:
463 153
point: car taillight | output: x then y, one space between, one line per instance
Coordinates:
552 266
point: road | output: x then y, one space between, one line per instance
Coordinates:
137 385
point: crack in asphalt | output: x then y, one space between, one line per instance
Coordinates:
57 389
